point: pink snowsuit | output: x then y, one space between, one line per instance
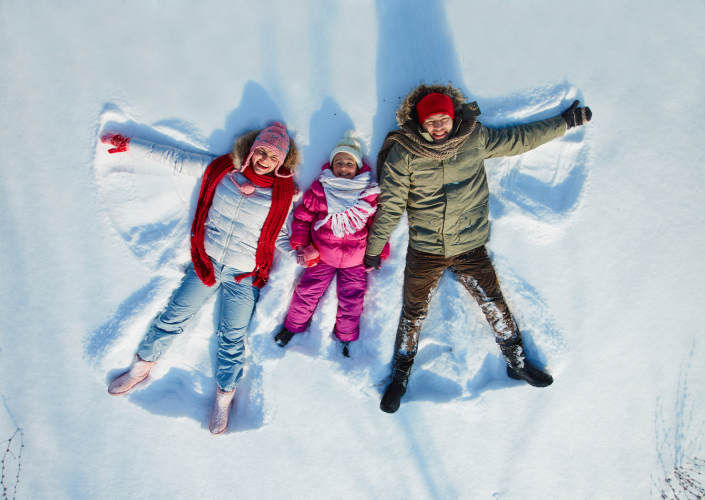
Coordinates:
344 255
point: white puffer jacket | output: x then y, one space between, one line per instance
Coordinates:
234 220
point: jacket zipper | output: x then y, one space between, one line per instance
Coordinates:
232 226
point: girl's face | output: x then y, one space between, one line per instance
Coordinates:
344 165
439 126
264 161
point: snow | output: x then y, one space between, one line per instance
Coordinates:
597 239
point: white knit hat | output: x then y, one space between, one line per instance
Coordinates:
350 146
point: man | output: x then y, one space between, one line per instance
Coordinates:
434 168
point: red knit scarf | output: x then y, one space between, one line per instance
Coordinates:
282 194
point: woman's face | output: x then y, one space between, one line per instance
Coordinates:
439 126
264 161
344 165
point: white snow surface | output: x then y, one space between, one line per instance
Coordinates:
597 239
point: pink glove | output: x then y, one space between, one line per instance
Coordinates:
307 256
120 142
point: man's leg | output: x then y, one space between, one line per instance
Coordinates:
476 272
422 273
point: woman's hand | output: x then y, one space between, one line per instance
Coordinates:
120 142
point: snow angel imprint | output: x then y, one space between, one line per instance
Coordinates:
433 168
240 218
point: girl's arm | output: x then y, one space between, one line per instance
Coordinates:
181 161
303 217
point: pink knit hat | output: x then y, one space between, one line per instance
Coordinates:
276 140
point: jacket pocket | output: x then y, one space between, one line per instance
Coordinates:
473 226
425 229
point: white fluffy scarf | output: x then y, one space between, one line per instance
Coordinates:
347 209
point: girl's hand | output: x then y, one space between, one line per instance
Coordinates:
120 142
307 256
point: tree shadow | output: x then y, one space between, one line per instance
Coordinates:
326 128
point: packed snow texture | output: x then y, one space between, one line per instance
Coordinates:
596 238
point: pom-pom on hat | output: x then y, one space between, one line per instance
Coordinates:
349 145
433 104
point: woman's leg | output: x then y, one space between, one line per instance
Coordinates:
184 303
352 282
306 296
239 301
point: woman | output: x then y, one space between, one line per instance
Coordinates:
240 217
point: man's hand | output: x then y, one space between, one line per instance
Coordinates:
372 263
120 142
307 256
575 116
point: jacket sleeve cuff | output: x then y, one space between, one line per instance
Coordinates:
300 240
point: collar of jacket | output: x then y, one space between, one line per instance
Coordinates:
470 110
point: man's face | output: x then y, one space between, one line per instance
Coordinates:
439 126
264 161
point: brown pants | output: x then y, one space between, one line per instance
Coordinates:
421 276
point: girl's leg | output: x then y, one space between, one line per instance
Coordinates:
306 296
184 303
352 282
239 301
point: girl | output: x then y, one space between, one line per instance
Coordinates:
329 233
240 217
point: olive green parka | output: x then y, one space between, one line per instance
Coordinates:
447 200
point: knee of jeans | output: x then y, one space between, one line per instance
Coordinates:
232 336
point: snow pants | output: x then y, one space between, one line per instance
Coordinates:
352 282
236 309
474 270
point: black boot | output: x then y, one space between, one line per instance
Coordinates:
283 337
519 368
397 388
346 348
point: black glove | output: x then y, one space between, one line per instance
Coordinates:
575 116
372 262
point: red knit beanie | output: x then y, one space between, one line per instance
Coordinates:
433 104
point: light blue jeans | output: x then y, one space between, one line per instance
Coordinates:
236 309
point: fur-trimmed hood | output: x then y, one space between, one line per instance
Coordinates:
406 110
244 143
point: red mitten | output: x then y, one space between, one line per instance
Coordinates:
311 256
120 142
307 256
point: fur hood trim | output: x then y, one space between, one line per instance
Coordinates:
407 107
244 143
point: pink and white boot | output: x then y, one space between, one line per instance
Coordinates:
139 369
221 412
